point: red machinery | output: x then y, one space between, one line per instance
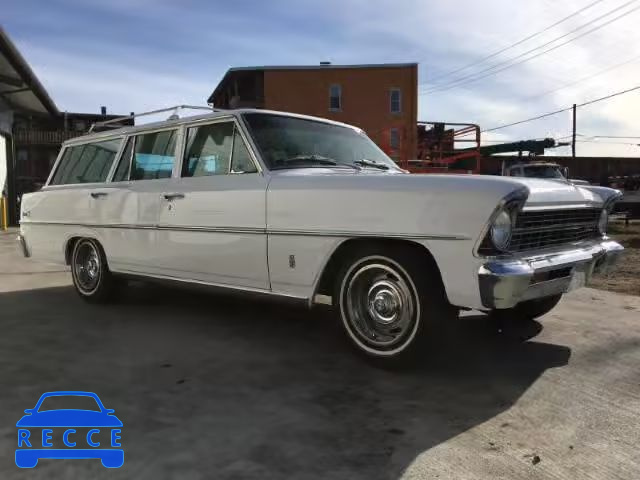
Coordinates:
446 148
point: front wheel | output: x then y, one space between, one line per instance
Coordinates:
388 301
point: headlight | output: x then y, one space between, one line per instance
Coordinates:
603 221
501 230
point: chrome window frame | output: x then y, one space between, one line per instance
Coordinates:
238 126
65 147
133 136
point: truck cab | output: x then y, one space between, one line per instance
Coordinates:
548 170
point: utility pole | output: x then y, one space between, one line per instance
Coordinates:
573 135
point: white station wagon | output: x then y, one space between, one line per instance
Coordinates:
307 208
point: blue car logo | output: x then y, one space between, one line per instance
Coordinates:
87 431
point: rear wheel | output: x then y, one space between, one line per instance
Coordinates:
90 272
389 301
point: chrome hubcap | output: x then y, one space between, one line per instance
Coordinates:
87 267
380 305
385 302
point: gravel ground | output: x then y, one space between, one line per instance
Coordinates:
215 387
626 277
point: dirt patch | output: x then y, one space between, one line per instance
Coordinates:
626 277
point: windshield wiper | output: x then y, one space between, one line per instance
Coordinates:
309 160
371 163
319 159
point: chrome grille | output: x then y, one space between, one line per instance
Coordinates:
546 228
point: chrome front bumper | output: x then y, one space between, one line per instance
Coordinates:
506 282
23 246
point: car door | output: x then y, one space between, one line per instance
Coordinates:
212 216
130 204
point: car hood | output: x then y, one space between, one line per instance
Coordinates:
542 192
69 418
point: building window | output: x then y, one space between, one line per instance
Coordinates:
335 98
394 139
396 100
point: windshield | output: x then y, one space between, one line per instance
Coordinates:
289 142
543 171
66 402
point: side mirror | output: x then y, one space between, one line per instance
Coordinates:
109 411
29 411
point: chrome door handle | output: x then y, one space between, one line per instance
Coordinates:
98 194
173 196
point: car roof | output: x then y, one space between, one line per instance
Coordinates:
69 393
195 118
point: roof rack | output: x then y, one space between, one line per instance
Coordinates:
153 112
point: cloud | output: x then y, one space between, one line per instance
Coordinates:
149 53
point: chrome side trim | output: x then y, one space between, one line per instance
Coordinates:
346 233
133 273
319 299
261 231
23 246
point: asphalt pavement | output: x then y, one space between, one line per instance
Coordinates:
209 386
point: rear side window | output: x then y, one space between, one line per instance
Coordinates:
88 163
122 172
153 155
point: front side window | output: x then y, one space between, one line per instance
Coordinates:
88 163
153 155
241 161
216 149
208 150
290 142
396 100
335 97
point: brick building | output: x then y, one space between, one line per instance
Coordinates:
381 98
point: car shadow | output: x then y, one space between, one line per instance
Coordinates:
210 385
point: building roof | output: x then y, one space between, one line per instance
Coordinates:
19 86
322 66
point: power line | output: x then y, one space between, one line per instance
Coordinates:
616 136
474 78
519 42
544 115
506 64
583 79
549 114
608 143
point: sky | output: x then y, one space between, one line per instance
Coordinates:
136 55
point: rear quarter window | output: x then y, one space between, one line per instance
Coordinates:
87 163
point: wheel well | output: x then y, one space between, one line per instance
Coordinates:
351 247
68 249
